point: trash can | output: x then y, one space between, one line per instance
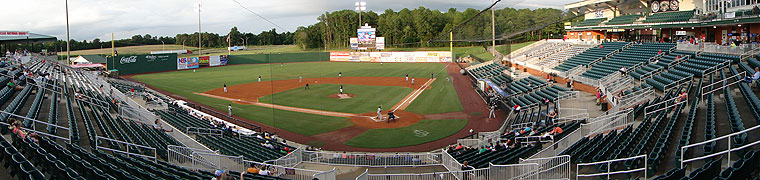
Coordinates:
604 106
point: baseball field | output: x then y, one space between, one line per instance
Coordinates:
428 110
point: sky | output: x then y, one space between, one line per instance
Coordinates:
90 19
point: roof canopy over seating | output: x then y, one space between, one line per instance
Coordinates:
11 37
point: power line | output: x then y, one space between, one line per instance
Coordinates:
262 17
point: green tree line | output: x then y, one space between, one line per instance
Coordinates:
415 27
209 40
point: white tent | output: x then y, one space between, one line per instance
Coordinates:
80 60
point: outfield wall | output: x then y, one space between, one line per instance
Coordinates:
144 63
414 56
278 58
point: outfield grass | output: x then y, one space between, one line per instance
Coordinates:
422 132
186 83
366 100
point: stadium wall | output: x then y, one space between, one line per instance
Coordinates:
414 56
278 58
144 63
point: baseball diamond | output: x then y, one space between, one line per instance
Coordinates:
303 115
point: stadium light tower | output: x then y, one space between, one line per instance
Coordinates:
68 40
198 8
360 6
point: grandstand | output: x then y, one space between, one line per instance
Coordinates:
680 110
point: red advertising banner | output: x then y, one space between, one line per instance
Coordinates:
14 33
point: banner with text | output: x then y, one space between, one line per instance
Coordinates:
147 63
418 56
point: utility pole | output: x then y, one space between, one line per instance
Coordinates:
68 39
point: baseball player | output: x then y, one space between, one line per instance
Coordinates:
407 77
259 78
340 74
431 76
300 78
341 89
229 110
379 115
307 86
391 117
412 80
492 114
225 87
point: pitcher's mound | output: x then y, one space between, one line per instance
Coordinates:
341 96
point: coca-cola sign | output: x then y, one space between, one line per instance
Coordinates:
128 59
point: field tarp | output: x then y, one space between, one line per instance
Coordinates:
144 63
278 58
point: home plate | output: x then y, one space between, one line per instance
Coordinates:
374 118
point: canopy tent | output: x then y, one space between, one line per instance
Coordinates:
89 59
88 66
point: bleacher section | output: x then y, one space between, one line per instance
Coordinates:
590 55
696 66
488 71
69 99
669 17
626 19
251 148
500 154
562 55
632 56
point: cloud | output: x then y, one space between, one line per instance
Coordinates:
91 19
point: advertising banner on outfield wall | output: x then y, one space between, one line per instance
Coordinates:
145 63
188 63
181 63
217 60
419 56
204 59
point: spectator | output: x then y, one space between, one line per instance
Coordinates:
253 169
466 166
265 171
754 76
622 71
33 138
556 130
552 116
16 129
219 175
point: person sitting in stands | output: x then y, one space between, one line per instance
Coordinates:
268 145
16 129
253 169
219 175
265 171
754 76
33 137
555 131
12 84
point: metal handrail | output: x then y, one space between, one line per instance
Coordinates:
728 151
609 168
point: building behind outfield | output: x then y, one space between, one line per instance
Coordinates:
710 21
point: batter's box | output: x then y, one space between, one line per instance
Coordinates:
374 118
